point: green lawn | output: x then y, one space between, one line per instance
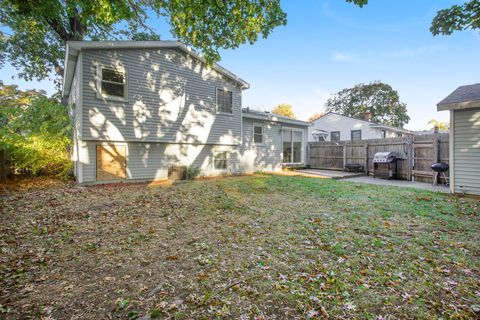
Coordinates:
258 247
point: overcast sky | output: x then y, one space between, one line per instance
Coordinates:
329 45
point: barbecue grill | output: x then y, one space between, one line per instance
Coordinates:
439 168
385 165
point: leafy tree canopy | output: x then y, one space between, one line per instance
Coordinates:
35 32
377 98
285 110
457 18
439 124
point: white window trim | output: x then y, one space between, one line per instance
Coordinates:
100 94
216 101
217 151
258 125
302 149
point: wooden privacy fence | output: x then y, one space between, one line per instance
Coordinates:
416 154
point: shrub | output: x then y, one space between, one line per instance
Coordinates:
36 132
192 172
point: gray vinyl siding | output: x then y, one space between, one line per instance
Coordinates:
150 161
171 98
466 150
266 156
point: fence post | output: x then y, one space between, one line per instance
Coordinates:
344 154
366 158
410 163
435 146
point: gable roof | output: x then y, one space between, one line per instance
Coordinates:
74 47
268 116
462 98
372 124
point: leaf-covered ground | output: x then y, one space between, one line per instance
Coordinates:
258 247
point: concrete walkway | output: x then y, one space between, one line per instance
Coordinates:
328 174
400 183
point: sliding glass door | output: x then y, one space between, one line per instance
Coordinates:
292 145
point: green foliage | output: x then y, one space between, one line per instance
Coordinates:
34 33
285 110
439 124
35 130
377 98
192 172
457 18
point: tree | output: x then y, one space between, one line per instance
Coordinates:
378 98
285 110
35 32
35 130
455 18
439 124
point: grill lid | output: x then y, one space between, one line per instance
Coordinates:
385 157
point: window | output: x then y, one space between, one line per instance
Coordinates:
292 146
384 134
224 101
356 134
112 83
220 160
335 136
258 133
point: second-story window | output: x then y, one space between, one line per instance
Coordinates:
113 83
224 101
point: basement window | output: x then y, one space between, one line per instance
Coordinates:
112 83
220 160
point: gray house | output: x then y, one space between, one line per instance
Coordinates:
141 107
464 106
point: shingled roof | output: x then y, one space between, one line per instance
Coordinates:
463 97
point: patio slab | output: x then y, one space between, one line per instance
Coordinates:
400 183
362 178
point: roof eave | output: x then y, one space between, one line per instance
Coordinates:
270 117
394 129
458 105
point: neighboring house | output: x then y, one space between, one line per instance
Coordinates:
336 127
464 107
141 107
